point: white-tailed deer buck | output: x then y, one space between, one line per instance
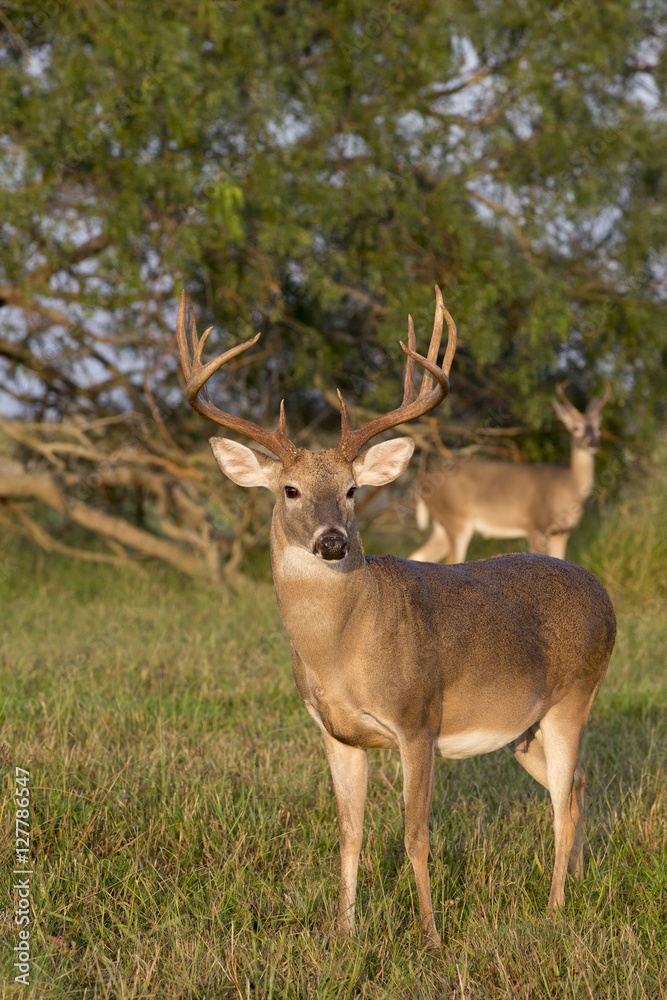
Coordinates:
543 503
454 661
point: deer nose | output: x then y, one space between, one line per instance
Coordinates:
333 544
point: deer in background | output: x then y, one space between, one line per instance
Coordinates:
543 503
428 659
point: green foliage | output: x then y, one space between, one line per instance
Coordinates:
311 169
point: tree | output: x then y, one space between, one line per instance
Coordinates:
310 169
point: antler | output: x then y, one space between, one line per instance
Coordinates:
560 390
429 397
596 405
197 375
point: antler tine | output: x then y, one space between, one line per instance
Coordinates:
197 375
450 350
560 390
181 337
429 396
596 405
344 422
606 396
408 381
436 337
282 424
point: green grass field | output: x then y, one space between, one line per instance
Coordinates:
184 837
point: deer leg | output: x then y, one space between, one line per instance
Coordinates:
557 544
460 543
575 863
435 548
418 761
534 760
561 730
349 770
538 542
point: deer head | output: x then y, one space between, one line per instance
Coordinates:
584 427
315 490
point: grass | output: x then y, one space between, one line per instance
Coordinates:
184 836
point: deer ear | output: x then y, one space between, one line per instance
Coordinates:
383 462
564 415
244 466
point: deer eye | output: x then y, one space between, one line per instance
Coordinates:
350 493
292 493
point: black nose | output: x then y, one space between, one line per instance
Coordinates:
333 545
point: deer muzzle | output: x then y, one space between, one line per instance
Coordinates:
332 545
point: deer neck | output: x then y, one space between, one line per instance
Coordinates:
322 604
582 467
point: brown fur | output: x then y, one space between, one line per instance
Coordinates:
543 503
392 653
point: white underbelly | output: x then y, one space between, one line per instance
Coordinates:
489 530
473 742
